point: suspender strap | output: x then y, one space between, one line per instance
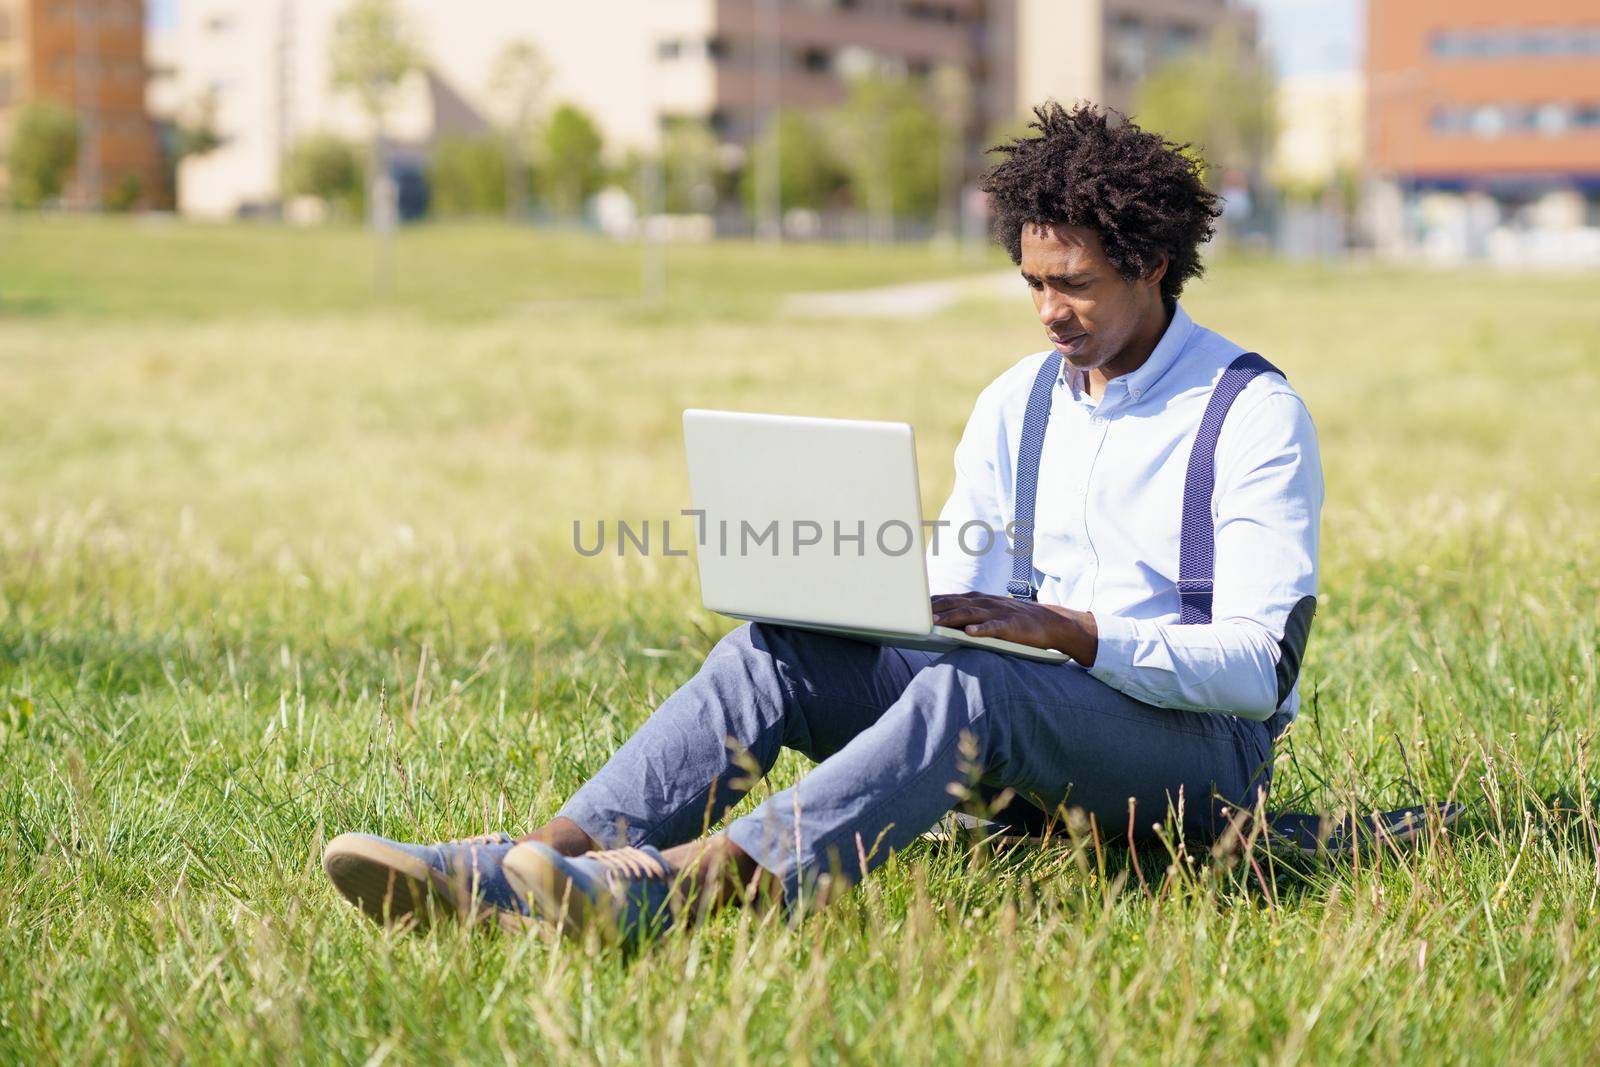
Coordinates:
1197 549
1034 419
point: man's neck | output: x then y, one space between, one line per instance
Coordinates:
1135 353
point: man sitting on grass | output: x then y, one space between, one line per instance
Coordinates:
1173 558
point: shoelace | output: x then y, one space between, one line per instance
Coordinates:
632 863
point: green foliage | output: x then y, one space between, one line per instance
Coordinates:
371 52
891 144
518 82
690 168
44 148
1219 99
330 168
809 174
467 176
125 193
16 715
570 165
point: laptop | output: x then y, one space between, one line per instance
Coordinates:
817 524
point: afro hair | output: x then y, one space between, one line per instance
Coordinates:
1089 167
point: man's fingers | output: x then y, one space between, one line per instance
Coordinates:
962 614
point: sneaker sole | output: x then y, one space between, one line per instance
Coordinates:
391 887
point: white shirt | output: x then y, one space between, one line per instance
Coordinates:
1109 513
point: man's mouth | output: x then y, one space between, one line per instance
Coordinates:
1068 345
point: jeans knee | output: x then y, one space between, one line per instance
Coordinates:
939 691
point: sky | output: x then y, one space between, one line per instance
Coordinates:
159 14
1307 36
1312 36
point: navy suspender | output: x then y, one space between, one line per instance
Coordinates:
1197 543
1197 552
1034 420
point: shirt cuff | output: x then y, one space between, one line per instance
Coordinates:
1113 655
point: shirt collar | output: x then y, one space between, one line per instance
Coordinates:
1162 357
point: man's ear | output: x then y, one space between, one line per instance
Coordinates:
1156 273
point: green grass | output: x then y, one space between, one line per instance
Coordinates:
277 561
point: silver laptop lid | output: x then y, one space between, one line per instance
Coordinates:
808 520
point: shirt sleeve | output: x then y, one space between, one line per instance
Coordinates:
1267 508
967 547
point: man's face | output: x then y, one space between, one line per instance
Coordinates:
1089 310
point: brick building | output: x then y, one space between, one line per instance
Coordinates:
89 56
1483 128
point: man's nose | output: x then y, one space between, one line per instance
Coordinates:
1053 310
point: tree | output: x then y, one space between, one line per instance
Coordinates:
571 169
520 78
952 94
689 167
916 151
371 54
891 146
809 174
468 175
1218 98
329 168
44 149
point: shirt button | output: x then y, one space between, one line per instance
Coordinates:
1137 393
1099 420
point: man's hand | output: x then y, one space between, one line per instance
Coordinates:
1025 622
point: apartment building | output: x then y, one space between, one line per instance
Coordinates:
88 55
1483 128
259 68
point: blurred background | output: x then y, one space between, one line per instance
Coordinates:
322 322
1412 129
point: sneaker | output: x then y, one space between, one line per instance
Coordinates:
625 891
958 829
397 883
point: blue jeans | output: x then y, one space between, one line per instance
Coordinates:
893 731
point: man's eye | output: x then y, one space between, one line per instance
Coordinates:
1035 284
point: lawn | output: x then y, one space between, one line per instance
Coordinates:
279 559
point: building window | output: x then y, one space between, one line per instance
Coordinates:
1497 120
1551 119
918 9
1129 53
1179 38
1521 43
816 60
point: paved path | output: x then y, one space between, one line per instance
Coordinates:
911 300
